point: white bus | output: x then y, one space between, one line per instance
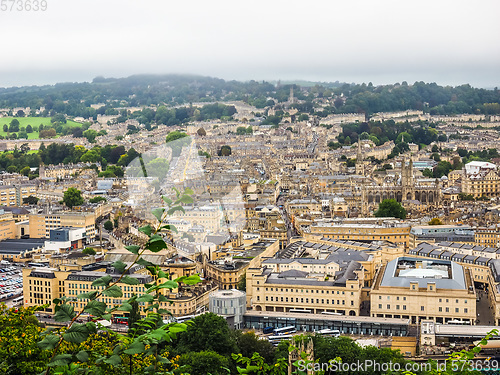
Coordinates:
330 313
302 311
17 301
329 332
284 331
275 340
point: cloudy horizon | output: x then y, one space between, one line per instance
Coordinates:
383 42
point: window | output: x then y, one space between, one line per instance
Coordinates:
421 308
388 307
466 310
380 306
456 309
440 309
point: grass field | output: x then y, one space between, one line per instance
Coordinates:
33 121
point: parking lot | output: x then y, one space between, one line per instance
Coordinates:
11 283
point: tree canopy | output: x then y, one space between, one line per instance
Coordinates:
390 208
73 197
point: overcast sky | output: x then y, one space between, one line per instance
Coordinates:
382 41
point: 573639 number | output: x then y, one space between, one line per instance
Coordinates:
23 5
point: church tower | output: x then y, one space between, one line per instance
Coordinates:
407 180
291 99
360 167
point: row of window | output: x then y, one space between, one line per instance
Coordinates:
422 308
285 299
440 300
307 290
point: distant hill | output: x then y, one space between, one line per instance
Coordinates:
315 98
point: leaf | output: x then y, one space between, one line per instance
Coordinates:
162 298
135 348
145 298
166 199
129 280
188 191
119 266
177 192
89 295
95 308
77 333
164 312
170 227
177 327
125 307
169 284
113 291
158 334
145 263
156 243
134 249
146 229
82 356
161 274
158 213
189 280
186 199
64 313
61 360
114 360
174 209
49 342
102 281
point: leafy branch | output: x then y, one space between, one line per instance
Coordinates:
149 333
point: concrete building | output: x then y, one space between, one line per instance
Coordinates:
418 289
481 179
65 239
41 224
226 269
439 233
231 304
393 230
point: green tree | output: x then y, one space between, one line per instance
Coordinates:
241 130
435 221
249 343
5 128
108 225
29 129
242 282
224 151
89 251
90 134
25 171
14 125
174 135
31 200
134 315
390 208
97 199
201 132
428 173
207 332
443 168
73 197
204 363
20 332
